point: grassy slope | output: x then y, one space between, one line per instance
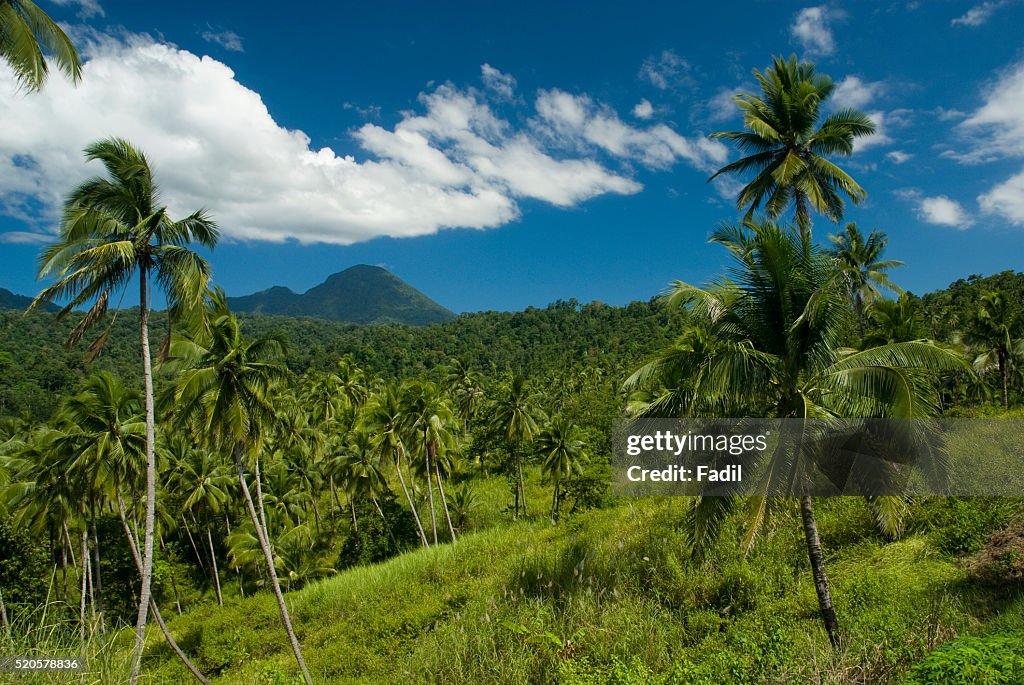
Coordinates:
607 597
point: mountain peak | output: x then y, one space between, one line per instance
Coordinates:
360 294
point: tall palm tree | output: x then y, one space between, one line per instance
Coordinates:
25 33
767 343
224 395
995 329
429 417
112 230
384 417
864 270
562 449
515 415
786 148
205 485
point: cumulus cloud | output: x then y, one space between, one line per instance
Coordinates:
943 211
1006 200
86 8
812 28
643 109
979 14
899 156
576 119
212 142
229 40
996 131
854 92
997 127
503 85
666 71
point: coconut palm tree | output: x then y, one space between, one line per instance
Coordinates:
893 321
429 418
562 449
112 230
861 264
767 343
384 417
204 484
515 416
995 329
26 32
787 150
223 394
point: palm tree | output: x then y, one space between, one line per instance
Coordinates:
767 343
113 229
429 417
995 329
515 416
786 148
205 485
224 395
384 417
562 449
893 321
25 32
861 264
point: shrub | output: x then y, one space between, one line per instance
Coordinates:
1001 561
992 660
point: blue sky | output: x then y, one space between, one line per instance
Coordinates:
498 158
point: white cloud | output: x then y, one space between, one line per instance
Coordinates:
899 156
811 27
666 71
943 211
854 92
86 8
997 127
1006 200
722 106
576 119
879 137
229 40
979 14
214 144
643 109
503 85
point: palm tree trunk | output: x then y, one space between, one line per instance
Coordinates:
802 215
522 485
430 492
213 558
384 520
554 504
269 558
85 579
352 508
188 531
259 499
3 614
1004 372
444 500
97 574
408 497
828 611
134 547
147 552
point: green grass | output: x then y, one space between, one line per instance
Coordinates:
608 596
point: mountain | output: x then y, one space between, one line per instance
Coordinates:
9 300
360 294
